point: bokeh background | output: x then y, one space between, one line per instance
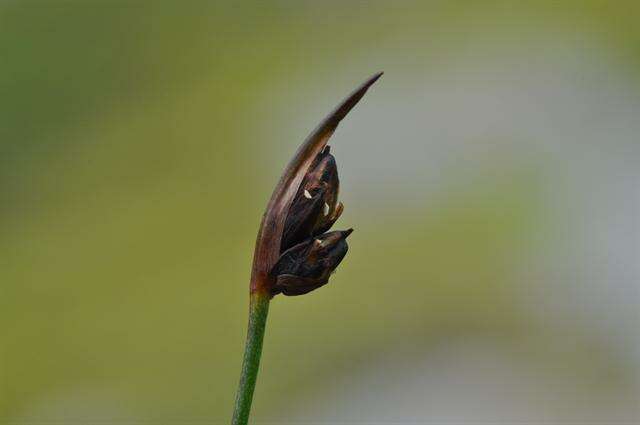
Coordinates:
492 176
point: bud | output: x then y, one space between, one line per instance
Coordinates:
308 265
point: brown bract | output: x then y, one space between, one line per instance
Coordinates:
268 243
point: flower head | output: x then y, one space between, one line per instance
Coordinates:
293 253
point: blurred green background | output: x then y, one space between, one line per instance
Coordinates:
491 176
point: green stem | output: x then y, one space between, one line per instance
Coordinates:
258 309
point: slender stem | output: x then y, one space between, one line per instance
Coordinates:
258 309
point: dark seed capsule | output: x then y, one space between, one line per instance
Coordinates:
302 217
308 265
315 207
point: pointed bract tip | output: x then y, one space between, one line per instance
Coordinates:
347 104
368 83
375 77
346 233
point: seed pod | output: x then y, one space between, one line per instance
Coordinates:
325 174
315 207
308 265
302 217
